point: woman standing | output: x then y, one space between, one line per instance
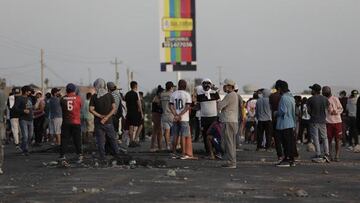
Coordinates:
156 112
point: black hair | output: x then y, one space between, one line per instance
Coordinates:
133 84
182 85
88 95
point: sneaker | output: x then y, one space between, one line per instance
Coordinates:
218 156
326 158
228 166
318 159
174 156
292 164
64 163
283 164
1 171
153 150
184 157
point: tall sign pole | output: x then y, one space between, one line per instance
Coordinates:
42 63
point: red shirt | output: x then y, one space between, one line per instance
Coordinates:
71 108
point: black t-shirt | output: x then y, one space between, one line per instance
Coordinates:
103 105
131 99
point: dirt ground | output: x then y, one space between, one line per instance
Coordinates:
157 178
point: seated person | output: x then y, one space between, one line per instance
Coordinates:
214 139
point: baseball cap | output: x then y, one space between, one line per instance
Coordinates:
354 92
236 87
70 87
55 90
315 87
229 82
111 86
169 85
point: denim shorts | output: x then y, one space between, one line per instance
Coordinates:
166 125
181 128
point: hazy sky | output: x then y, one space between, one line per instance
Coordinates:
255 41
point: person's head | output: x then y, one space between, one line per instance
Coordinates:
16 91
354 93
55 91
297 99
326 91
38 94
229 85
304 100
283 87
206 84
70 88
159 90
48 95
266 93
342 93
141 94
100 84
182 85
88 95
315 89
133 85
169 86
26 90
111 86
278 84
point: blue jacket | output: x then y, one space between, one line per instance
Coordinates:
286 112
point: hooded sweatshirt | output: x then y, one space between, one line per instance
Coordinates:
351 106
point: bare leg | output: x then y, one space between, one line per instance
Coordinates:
188 146
175 143
337 148
183 145
209 138
138 132
58 139
167 137
159 138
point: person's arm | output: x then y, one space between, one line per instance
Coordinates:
139 108
222 104
282 108
108 116
92 108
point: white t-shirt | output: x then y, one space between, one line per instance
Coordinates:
179 99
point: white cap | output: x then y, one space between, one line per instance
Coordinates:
236 87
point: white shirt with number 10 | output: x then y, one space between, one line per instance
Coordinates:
179 99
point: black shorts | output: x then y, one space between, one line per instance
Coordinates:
134 119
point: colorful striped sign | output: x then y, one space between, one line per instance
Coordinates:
177 35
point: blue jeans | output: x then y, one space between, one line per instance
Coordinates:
102 130
27 130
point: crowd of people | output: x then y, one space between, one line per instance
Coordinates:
270 119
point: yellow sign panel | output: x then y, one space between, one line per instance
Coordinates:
177 24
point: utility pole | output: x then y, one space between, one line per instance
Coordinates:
42 70
89 74
128 78
116 63
220 75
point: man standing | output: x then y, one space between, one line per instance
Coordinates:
285 117
180 102
274 100
24 108
2 124
352 110
229 108
71 123
102 106
263 115
240 117
14 116
55 115
333 121
134 114
117 98
343 100
207 97
317 107
167 118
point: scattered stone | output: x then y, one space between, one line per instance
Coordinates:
131 183
240 192
96 164
12 192
32 185
185 178
114 163
186 167
301 193
74 189
245 181
171 173
263 160
310 147
334 195
325 172
52 163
